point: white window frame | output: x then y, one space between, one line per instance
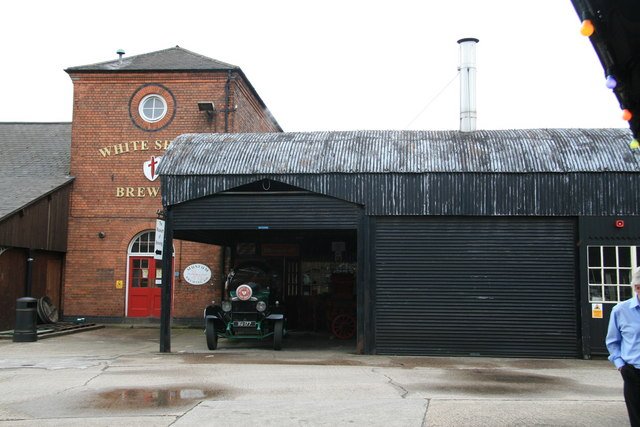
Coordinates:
152 234
606 280
153 119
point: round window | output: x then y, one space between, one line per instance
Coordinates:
152 108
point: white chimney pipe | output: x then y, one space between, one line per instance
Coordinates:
468 113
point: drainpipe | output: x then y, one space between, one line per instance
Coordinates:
29 282
468 113
227 87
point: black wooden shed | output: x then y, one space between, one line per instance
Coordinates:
480 243
34 212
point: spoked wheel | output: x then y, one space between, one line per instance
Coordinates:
343 326
212 337
278 328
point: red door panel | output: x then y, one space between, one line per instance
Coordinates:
144 289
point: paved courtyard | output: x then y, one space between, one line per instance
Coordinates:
116 376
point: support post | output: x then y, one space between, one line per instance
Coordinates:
167 283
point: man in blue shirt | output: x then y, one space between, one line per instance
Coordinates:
623 343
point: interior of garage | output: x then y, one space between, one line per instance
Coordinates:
314 275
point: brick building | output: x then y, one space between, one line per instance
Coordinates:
125 114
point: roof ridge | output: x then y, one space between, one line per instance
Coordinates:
148 54
202 56
118 59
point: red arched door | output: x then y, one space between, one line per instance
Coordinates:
145 278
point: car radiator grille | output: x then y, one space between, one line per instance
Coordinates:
245 316
243 306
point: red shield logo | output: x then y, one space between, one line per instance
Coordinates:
244 292
150 168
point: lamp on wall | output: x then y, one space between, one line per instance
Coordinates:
208 107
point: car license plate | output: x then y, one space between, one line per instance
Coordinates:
244 323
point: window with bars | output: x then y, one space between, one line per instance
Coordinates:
140 273
610 269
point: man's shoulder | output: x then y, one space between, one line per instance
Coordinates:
626 304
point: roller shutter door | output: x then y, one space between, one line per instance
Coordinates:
475 286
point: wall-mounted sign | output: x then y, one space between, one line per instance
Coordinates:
150 168
197 274
149 150
596 311
159 242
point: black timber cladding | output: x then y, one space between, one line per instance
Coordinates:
511 172
602 231
475 286
573 194
265 211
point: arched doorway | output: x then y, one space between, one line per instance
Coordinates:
144 277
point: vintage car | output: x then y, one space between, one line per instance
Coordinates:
249 309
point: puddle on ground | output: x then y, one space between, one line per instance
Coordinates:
131 398
501 382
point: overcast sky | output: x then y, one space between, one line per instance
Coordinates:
327 65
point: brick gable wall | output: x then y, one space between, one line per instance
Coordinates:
111 195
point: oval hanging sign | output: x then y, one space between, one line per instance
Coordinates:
197 274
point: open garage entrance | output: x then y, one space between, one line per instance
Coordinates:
315 275
309 243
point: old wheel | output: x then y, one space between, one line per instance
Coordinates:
278 328
343 326
212 337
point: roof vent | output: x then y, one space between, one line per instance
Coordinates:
120 53
468 113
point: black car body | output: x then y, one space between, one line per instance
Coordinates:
249 310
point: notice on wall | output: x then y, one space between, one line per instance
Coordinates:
596 311
197 274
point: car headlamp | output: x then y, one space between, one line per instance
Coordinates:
226 306
261 306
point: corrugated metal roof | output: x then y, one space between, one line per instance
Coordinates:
34 160
172 59
484 151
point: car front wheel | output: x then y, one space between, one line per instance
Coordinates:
212 337
278 328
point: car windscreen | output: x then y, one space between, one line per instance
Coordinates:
249 274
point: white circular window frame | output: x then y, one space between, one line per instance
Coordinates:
141 108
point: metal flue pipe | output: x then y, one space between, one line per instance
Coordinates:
468 113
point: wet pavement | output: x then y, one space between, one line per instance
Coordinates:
116 375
